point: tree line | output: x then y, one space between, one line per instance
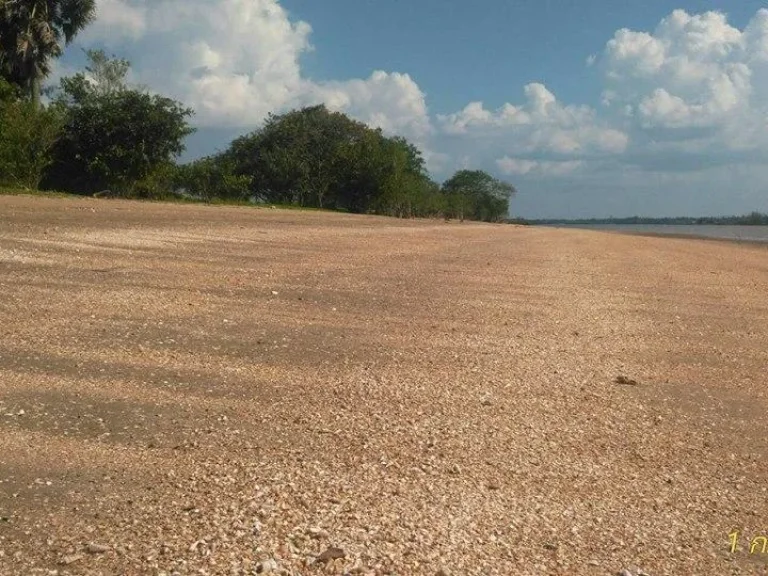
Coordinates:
96 134
751 219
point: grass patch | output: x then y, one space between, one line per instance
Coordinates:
9 191
170 199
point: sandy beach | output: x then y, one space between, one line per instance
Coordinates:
210 390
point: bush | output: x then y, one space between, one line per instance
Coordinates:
28 134
157 185
210 178
115 137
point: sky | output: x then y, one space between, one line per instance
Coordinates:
590 108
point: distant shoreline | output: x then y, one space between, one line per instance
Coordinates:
751 219
652 234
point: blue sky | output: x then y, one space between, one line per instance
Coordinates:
459 52
590 108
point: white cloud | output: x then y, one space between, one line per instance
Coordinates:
472 114
235 61
541 107
390 101
539 125
692 92
756 37
116 20
523 167
638 51
692 71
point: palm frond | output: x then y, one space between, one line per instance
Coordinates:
32 31
75 15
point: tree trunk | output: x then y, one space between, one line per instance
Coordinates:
35 90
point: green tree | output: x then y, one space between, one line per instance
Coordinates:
403 178
313 157
754 219
31 36
106 75
8 92
364 174
477 195
27 136
114 136
428 201
212 177
293 158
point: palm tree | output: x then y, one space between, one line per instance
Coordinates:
31 32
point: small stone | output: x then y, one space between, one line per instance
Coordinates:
626 381
331 553
626 572
486 402
317 533
71 559
267 566
257 527
94 548
193 547
442 571
493 485
455 470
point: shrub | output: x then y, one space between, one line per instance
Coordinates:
28 134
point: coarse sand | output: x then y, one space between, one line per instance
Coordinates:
199 390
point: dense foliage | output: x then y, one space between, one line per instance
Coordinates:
210 179
476 195
27 136
316 158
31 36
114 137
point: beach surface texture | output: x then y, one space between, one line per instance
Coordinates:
201 390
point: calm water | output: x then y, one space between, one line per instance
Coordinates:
748 233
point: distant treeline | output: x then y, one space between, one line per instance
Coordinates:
752 219
98 135
320 159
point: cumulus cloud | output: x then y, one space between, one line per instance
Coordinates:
689 95
235 61
692 71
390 101
692 91
523 167
539 126
541 107
117 20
